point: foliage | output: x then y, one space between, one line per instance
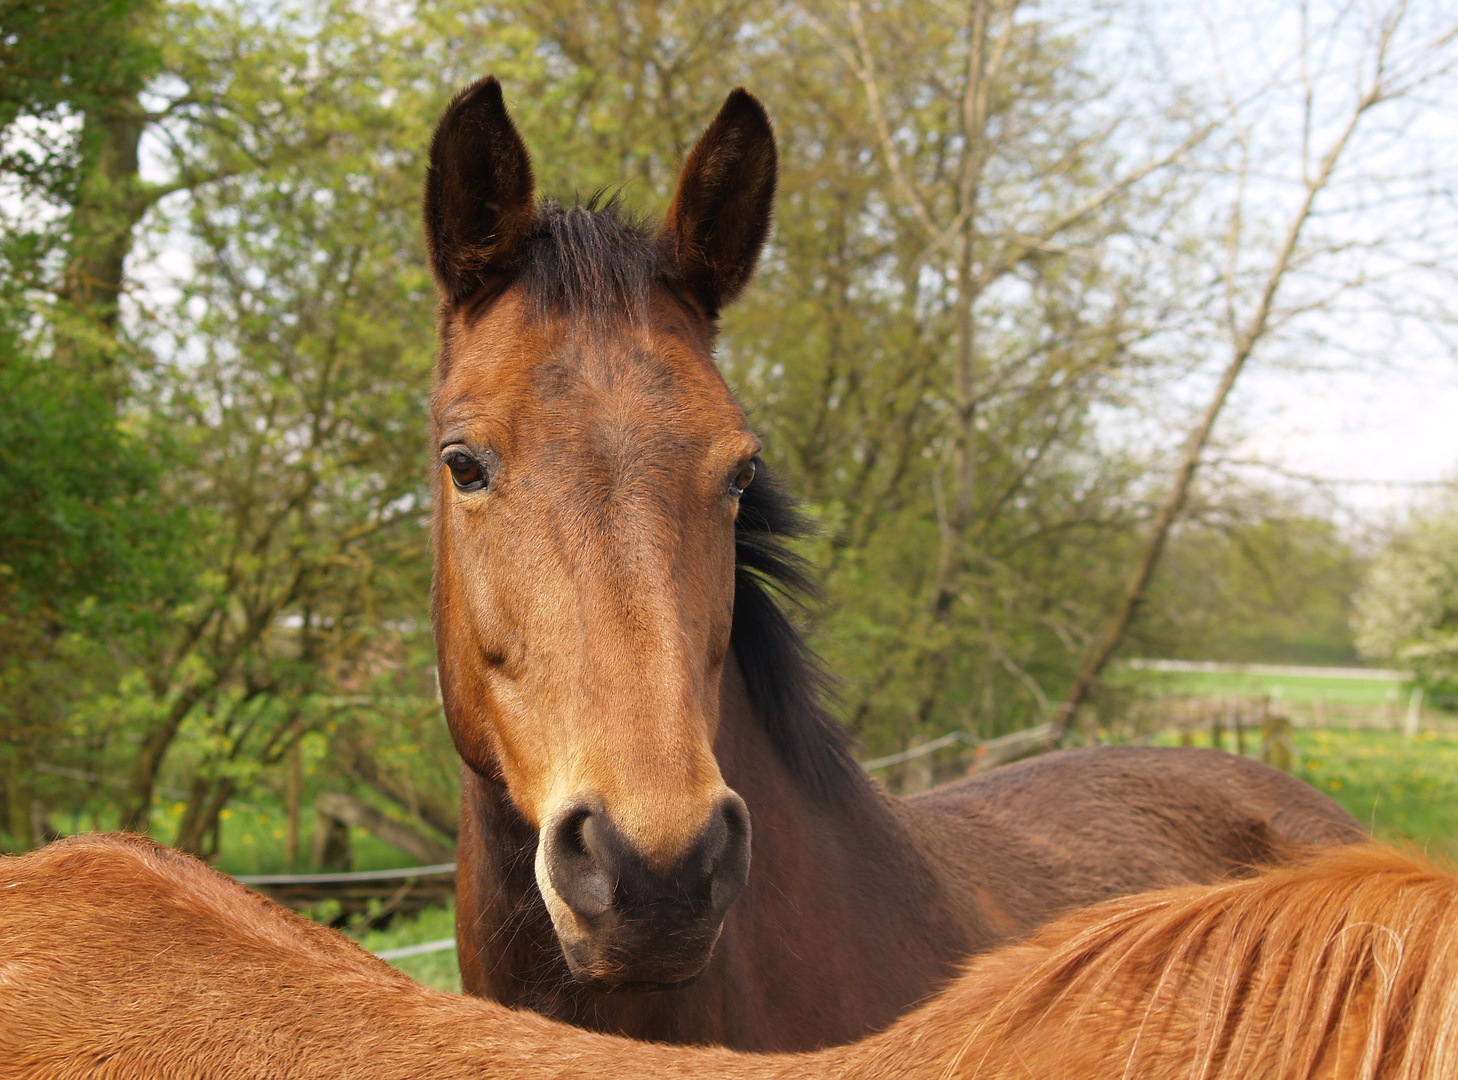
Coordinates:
437 969
61 58
1253 584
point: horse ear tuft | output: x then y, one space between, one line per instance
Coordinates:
720 216
478 191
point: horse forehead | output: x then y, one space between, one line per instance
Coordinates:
555 383
637 365
621 410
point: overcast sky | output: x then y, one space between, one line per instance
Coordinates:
1378 399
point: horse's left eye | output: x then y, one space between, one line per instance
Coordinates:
742 479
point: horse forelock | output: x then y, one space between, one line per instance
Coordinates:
590 261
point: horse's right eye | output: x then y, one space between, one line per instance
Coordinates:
466 472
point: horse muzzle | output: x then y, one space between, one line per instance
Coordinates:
624 925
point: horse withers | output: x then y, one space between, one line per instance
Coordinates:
628 697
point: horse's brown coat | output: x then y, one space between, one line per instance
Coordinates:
122 960
610 655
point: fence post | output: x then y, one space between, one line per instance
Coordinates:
1414 713
917 775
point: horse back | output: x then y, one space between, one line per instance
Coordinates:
1025 842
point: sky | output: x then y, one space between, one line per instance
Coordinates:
1397 429
1358 395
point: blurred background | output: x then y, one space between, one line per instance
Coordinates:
1112 345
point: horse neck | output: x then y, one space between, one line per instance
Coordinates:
844 903
841 927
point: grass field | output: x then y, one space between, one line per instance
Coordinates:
437 969
1302 688
1404 790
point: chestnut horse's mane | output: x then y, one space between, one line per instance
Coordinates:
594 262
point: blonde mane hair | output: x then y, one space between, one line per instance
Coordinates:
122 959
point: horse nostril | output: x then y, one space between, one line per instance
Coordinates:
595 871
731 861
575 863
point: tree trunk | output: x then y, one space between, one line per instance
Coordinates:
295 790
1245 340
203 811
109 203
136 810
18 794
1103 646
361 764
351 811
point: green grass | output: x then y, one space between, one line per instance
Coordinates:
436 969
253 840
1404 790
1373 692
253 837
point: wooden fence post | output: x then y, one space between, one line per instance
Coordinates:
1414 713
291 802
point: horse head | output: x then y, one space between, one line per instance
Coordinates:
591 466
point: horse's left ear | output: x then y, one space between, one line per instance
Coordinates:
720 216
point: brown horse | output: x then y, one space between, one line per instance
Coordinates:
124 960
627 695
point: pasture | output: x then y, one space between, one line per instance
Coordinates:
1286 686
1404 790
434 969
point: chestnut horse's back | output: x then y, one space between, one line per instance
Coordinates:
120 959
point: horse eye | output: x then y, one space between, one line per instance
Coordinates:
466 472
742 479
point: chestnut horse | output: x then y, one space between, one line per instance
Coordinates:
627 695
125 960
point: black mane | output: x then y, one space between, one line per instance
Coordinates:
593 261
784 678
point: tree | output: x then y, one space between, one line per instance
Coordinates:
1267 289
1256 577
1407 609
994 248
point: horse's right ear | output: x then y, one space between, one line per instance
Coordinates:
478 191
